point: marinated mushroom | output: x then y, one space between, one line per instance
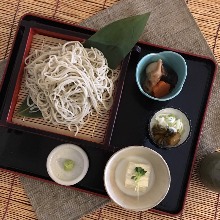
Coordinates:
173 139
165 136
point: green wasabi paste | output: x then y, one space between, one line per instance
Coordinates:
68 165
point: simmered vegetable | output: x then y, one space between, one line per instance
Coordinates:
160 79
161 89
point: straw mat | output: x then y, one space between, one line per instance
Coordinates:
201 204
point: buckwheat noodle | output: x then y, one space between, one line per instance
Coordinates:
68 83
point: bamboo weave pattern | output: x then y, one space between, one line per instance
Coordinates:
201 204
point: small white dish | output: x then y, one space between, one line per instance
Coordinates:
179 114
159 179
55 164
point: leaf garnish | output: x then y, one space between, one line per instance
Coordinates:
29 109
138 173
117 39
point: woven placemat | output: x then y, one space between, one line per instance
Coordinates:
172 25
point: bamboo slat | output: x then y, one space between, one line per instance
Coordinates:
201 204
217 46
207 14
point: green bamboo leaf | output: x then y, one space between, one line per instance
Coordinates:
117 39
28 111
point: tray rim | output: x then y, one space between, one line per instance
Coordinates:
145 43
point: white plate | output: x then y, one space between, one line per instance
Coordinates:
178 114
55 164
114 178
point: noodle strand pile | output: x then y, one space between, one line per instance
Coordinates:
68 83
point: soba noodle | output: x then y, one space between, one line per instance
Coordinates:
68 83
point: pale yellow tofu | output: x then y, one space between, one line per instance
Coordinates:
144 180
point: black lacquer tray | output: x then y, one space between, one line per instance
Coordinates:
25 150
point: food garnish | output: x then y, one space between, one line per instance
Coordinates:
138 173
29 108
168 130
117 39
68 165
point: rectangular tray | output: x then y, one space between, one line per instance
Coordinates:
25 150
